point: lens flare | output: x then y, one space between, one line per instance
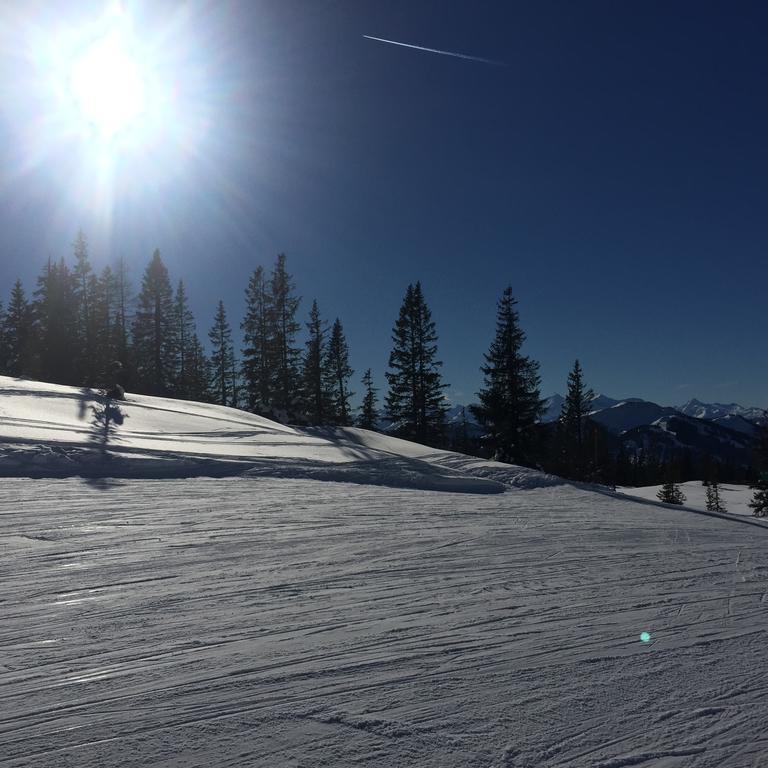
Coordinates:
645 637
107 86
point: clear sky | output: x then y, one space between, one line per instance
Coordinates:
613 170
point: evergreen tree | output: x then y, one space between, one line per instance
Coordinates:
120 328
368 414
84 289
258 352
199 371
3 346
670 492
338 373
17 333
154 335
56 324
316 397
572 420
715 502
285 374
510 403
415 401
222 358
759 502
106 313
186 337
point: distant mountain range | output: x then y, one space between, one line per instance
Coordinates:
726 431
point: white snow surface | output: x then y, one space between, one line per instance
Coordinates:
268 619
735 497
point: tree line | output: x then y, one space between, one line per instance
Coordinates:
86 329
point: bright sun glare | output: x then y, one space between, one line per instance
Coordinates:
107 86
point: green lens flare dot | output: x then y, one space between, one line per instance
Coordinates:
645 637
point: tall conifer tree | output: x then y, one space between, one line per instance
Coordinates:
285 374
572 425
759 502
186 337
338 373
85 287
18 334
154 335
510 402
317 403
258 351
56 323
368 414
222 358
415 402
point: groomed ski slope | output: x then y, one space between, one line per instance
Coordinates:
262 619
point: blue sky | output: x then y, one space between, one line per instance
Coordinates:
614 172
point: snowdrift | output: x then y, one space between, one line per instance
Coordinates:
49 430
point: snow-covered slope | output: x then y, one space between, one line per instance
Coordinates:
263 620
736 498
53 430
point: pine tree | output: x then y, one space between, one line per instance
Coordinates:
714 500
258 351
222 358
285 374
105 313
84 289
316 397
572 420
759 502
154 332
3 346
199 371
121 339
18 333
338 373
56 325
415 402
185 336
368 414
670 492
510 403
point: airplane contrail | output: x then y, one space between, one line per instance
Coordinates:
434 50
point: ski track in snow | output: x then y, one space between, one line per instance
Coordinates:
281 622
431 610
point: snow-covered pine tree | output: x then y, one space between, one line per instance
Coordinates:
285 354
368 415
315 395
222 358
258 351
510 402
338 373
572 419
415 402
154 333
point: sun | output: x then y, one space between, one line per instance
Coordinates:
107 86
